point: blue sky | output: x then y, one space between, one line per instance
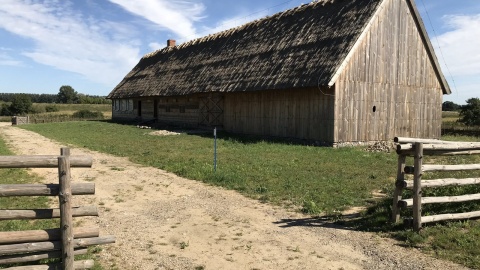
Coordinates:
92 44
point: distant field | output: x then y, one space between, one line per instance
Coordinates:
449 117
106 109
64 111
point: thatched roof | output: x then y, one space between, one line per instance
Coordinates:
301 47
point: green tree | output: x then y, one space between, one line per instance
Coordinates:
450 106
67 94
5 110
21 104
470 113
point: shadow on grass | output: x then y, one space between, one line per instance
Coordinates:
221 134
375 219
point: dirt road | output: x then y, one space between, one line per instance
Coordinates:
162 221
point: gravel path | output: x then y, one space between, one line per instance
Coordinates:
162 221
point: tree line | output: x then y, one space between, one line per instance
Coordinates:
469 113
66 95
21 104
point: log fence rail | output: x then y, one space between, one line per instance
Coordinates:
61 243
418 148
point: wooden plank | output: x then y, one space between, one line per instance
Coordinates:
15 237
45 161
81 211
44 189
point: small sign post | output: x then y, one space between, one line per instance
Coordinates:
215 150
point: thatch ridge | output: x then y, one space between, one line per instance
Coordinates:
300 47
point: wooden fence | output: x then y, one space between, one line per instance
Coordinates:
418 148
18 120
64 242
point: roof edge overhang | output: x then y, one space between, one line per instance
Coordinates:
423 34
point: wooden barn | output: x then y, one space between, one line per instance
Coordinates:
329 71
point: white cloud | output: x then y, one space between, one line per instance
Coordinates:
177 16
460 45
155 46
6 60
98 50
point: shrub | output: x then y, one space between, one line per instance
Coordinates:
51 108
5 110
21 104
470 113
87 114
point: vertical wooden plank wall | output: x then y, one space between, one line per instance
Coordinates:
300 113
391 71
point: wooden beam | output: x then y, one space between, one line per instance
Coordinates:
444 168
444 199
434 218
14 237
66 219
427 152
397 196
454 147
46 161
404 140
81 211
31 257
44 189
417 188
86 264
462 167
54 245
441 182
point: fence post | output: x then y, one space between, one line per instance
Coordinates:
65 196
397 195
417 187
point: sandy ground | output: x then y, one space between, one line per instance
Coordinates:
162 221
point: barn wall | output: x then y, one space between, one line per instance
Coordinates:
389 87
178 110
301 113
123 109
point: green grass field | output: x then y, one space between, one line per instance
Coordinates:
321 179
315 180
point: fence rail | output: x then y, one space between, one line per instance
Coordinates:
418 148
64 242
